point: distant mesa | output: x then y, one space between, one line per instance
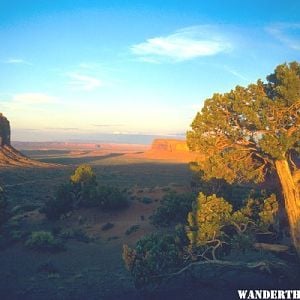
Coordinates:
9 156
169 145
170 149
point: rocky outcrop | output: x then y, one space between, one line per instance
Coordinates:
4 131
9 156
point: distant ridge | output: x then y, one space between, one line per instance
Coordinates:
9 156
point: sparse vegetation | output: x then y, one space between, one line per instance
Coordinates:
3 208
44 241
214 231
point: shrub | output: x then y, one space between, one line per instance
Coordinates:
153 256
3 207
132 229
84 174
107 226
44 241
111 198
173 210
84 185
213 223
61 204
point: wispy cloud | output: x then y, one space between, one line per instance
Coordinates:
185 44
108 125
16 61
287 33
33 98
62 128
82 82
235 73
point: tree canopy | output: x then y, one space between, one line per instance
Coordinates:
251 131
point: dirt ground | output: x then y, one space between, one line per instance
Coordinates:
92 268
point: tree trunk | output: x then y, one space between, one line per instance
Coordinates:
290 191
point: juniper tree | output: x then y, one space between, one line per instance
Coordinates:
250 131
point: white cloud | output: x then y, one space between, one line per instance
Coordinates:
287 33
17 61
33 98
185 44
83 82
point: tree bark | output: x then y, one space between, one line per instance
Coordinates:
290 191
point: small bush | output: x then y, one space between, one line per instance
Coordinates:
107 226
84 174
173 210
153 256
61 204
132 229
111 198
76 234
44 241
146 200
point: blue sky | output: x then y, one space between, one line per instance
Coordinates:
103 69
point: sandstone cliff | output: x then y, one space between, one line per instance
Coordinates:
170 149
9 156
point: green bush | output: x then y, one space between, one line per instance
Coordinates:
111 198
153 256
44 241
62 203
84 174
173 210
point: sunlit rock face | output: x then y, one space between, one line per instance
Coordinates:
4 131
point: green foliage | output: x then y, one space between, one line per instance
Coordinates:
214 230
3 207
111 198
84 174
153 256
207 219
61 204
242 133
174 209
213 222
44 241
83 191
84 186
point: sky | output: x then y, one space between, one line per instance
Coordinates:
127 69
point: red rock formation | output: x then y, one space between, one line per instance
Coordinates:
9 156
170 149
